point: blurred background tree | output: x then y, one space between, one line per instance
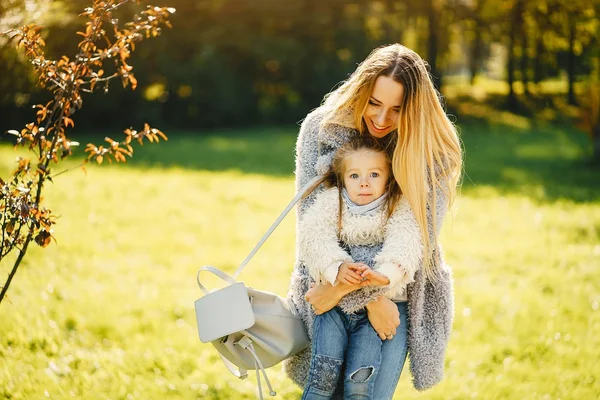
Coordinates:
99 58
244 63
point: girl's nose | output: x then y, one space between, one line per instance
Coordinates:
364 183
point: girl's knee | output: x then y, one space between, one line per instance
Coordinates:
363 374
324 374
360 384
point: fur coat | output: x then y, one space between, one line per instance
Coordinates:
430 303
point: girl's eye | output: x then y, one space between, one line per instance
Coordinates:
353 176
395 110
371 103
374 174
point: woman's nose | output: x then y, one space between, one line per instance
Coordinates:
382 118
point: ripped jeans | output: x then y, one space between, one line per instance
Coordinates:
346 356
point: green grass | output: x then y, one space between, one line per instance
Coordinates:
107 312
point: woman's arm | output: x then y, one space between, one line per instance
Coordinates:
384 317
307 154
326 296
382 312
315 148
441 207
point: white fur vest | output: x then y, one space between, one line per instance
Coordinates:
319 241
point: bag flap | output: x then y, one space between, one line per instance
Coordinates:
223 312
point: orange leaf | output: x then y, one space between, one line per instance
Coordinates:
133 81
68 121
162 135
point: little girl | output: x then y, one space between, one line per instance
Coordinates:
361 207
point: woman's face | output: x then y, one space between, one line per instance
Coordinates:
381 115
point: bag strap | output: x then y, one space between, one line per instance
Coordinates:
246 343
305 189
240 373
216 272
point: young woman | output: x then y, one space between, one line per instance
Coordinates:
361 206
390 97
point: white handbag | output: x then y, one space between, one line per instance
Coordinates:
250 328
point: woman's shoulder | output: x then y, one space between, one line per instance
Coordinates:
332 134
335 135
313 120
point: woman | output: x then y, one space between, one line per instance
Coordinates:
391 97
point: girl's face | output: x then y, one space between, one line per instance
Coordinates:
381 115
366 175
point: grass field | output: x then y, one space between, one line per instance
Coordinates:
107 312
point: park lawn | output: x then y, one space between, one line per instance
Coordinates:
107 311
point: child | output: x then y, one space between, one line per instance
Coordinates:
360 208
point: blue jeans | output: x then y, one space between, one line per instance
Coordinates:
349 360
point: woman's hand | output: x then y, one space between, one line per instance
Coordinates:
326 296
384 316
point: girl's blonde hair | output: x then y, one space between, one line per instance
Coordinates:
337 170
427 154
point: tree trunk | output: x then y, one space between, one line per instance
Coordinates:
537 61
432 43
524 65
390 28
510 69
596 144
475 54
516 20
571 62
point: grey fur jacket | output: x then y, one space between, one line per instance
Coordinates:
430 304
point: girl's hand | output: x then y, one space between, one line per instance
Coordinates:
349 274
370 277
324 297
384 316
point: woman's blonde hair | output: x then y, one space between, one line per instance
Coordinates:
427 155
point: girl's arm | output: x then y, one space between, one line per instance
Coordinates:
402 252
318 245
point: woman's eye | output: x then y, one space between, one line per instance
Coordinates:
371 103
353 176
374 174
